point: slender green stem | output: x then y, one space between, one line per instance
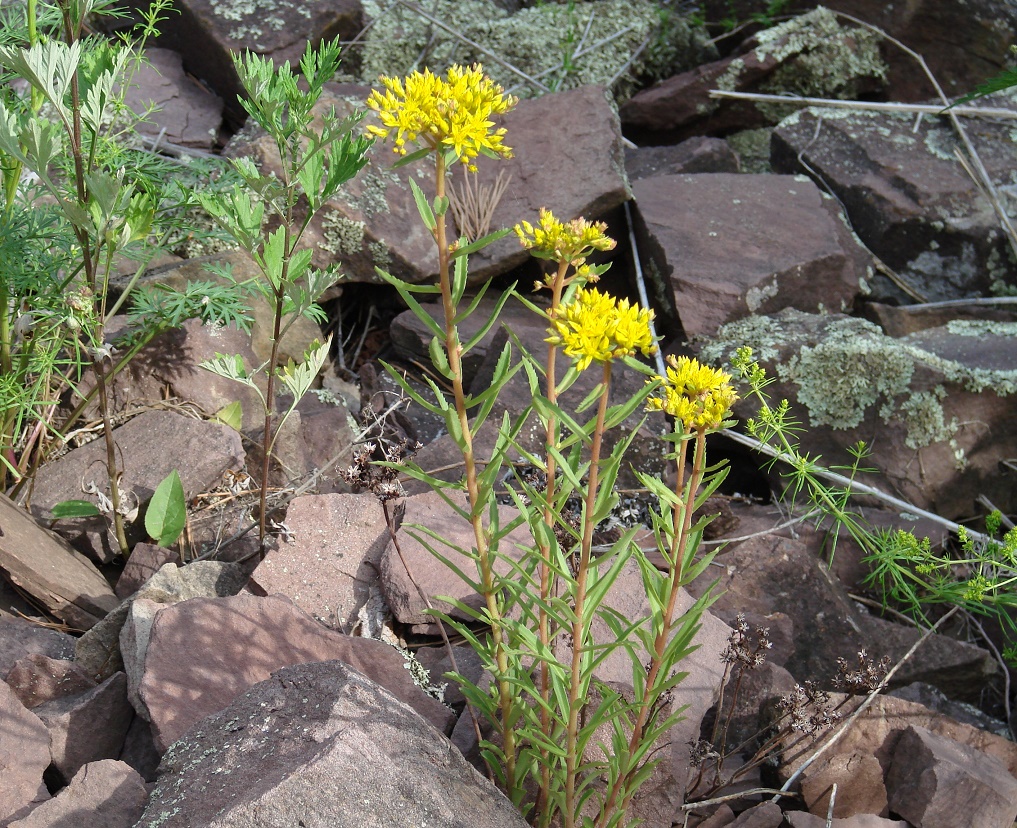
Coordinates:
486 564
579 646
547 586
679 542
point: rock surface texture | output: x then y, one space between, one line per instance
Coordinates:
321 744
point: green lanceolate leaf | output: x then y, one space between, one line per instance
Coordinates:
167 511
481 243
74 509
439 359
426 214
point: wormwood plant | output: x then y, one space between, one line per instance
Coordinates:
75 198
317 160
568 747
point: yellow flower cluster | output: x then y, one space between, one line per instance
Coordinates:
568 242
454 112
596 327
697 395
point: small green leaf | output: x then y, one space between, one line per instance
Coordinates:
74 509
423 207
231 415
167 511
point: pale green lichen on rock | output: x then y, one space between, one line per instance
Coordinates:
856 366
849 371
818 58
602 37
342 236
922 414
380 253
981 327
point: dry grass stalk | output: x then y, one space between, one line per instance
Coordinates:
473 204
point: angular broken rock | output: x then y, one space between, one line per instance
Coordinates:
567 157
723 246
328 566
24 755
37 679
110 793
185 112
20 638
939 400
98 650
89 726
205 652
45 566
907 195
877 731
207 35
433 576
859 781
936 782
812 54
321 744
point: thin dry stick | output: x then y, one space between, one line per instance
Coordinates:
856 486
996 654
874 106
850 720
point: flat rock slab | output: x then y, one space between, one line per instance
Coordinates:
321 745
47 568
907 195
328 566
150 446
205 652
110 792
725 245
186 112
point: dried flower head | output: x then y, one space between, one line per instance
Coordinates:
596 327
741 651
569 242
697 395
866 678
453 112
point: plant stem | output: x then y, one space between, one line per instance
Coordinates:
572 760
454 352
547 586
687 501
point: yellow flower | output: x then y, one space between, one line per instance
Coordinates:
452 112
568 242
596 327
697 395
